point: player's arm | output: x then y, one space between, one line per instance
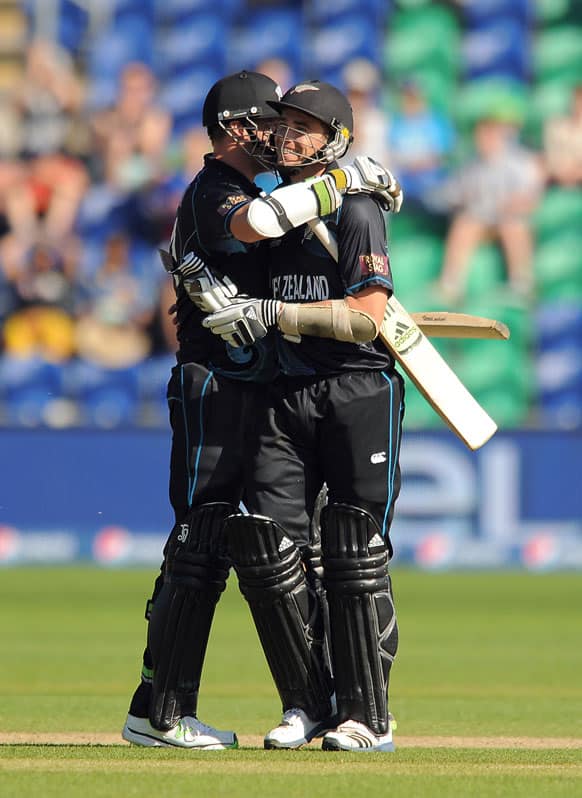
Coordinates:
291 206
371 301
357 318
246 320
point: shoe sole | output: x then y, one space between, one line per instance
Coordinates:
270 745
332 745
147 741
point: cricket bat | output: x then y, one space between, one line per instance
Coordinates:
442 324
427 369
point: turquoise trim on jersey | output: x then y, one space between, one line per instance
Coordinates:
184 418
195 233
391 461
376 280
200 439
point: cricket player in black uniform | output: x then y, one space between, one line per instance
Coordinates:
215 391
335 417
208 438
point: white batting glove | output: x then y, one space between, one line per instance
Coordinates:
244 321
207 288
365 175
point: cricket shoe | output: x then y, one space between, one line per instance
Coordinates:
295 729
354 736
189 732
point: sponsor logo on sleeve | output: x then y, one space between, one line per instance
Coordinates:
230 202
373 264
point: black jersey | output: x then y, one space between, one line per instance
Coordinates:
301 270
202 226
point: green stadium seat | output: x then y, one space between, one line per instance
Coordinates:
485 364
439 86
550 11
508 409
415 262
408 4
418 412
519 319
548 99
426 16
564 290
417 298
486 273
557 54
558 267
559 214
411 223
491 96
425 37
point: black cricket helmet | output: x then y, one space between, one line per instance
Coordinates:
327 104
244 97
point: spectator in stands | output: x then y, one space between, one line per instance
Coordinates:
45 196
14 225
563 144
17 222
119 306
154 210
492 196
42 322
131 138
420 142
162 330
371 126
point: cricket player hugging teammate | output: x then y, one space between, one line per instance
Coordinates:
330 413
216 393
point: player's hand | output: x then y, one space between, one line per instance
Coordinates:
365 175
244 321
207 288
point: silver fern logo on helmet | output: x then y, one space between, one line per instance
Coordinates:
303 87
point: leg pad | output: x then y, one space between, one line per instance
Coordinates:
285 610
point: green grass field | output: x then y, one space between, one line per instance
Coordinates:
487 691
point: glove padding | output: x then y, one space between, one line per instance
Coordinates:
207 288
244 321
365 175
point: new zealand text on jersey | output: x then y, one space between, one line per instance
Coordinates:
298 287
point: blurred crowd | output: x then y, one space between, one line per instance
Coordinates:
87 195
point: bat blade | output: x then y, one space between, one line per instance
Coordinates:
434 378
442 324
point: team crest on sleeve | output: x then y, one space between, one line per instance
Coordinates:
373 264
230 202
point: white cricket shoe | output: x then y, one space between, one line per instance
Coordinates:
354 736
189 732
295 729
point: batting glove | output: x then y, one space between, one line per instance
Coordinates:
365 175
207 288
244 321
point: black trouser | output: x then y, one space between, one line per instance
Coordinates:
344 431
213 423
212 420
